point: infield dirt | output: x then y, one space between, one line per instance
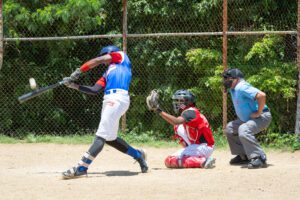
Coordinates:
33 171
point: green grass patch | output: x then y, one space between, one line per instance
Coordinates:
32 138
285 142
8 140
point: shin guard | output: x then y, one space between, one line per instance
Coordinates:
193 162
172 162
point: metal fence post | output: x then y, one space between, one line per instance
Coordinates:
224 58
1 36
297 126
124 37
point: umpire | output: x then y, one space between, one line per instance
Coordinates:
253 117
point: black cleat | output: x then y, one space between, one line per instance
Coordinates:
257 162
238 160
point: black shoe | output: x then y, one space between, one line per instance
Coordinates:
257 162
142 161
238 160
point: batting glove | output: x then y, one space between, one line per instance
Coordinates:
75 75
68 83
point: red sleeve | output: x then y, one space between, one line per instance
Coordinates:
102 82
84 68
208 135
116 57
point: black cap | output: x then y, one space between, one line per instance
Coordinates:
233 73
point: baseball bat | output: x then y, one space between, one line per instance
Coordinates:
39 91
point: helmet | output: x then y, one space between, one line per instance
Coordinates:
108 49
229 75
233 73
183 99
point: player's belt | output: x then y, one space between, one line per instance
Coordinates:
115 91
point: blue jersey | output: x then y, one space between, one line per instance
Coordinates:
118 74
243 97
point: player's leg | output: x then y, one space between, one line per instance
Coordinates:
124 147
193 162
236 147
247 135
189 162
198 155
174 160
86 160
180 134
108 109
193 155
109 127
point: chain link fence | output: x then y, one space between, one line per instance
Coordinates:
172 45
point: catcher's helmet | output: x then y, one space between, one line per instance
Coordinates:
233 73
108 49
183 99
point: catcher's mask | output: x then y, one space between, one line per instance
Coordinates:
108 49
183 99
229 75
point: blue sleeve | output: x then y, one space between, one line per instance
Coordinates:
90 90
249 91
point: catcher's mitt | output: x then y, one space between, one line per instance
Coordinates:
152 101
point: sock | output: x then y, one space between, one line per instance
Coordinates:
133 152
85 162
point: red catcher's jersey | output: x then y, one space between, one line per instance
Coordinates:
197 127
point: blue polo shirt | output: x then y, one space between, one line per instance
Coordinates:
243 97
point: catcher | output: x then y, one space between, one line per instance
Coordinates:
191 129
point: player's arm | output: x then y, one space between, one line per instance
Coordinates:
93 90
114 57
261 101
106 59
172 119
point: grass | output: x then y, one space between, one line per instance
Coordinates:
31 138
273 141
132 138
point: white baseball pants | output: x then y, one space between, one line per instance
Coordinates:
114 106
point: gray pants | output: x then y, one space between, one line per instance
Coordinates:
241 135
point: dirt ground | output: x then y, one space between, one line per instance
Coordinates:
33 171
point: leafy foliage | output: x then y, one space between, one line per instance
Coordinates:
165 63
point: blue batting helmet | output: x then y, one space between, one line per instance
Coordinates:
108 49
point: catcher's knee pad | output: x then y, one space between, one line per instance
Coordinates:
172 162
193 162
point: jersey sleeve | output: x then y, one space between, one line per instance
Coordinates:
250 92
116 57
102 82
189 115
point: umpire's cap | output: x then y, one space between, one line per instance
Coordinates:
108 49
233 73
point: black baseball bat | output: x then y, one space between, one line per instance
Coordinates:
39 91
